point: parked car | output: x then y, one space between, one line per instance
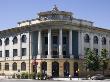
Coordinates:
97 77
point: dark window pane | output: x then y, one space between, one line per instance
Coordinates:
0 53
6 53
103 41
46 40
55 40
96 51
14 66
64 40
95 40
23 66
0 66
86 38
15 52
7 41
46 52
23 39
23 51
15 40
0 42
7 66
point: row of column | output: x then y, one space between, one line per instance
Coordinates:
49 43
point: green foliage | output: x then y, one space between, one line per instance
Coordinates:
95 62
31 76
18 76
24 75
40 76
104 60
91 60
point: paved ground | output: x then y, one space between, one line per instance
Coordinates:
14 80
4 79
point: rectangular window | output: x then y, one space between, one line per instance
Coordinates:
55 54
64 40
0 66
46 40
0 53
15 52
46 52
23 51
55 39
96 51
6 53
6 66
64 53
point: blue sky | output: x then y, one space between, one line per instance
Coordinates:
13 11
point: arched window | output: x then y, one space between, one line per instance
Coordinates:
14 66
44 67
15 40
103 41
76 69
86 38
55 69
0 66
23 66
6 41
66 69
0 42
23 39
95 39
7 66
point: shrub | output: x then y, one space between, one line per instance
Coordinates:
18 76
31 76
24 75
14 75
39 75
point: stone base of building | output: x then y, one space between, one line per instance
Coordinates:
50 67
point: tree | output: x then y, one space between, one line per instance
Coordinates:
91 60
104 60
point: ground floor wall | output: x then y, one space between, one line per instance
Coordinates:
51 67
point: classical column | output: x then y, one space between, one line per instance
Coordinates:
49 43
60 44
39 44
70 43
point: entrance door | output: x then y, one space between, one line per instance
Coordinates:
44 67
55 69
66 69
75 69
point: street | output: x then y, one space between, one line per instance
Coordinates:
22 80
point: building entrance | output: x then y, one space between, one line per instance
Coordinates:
44 68
55 69
66 69
76 69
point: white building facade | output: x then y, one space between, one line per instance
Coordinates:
54 44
